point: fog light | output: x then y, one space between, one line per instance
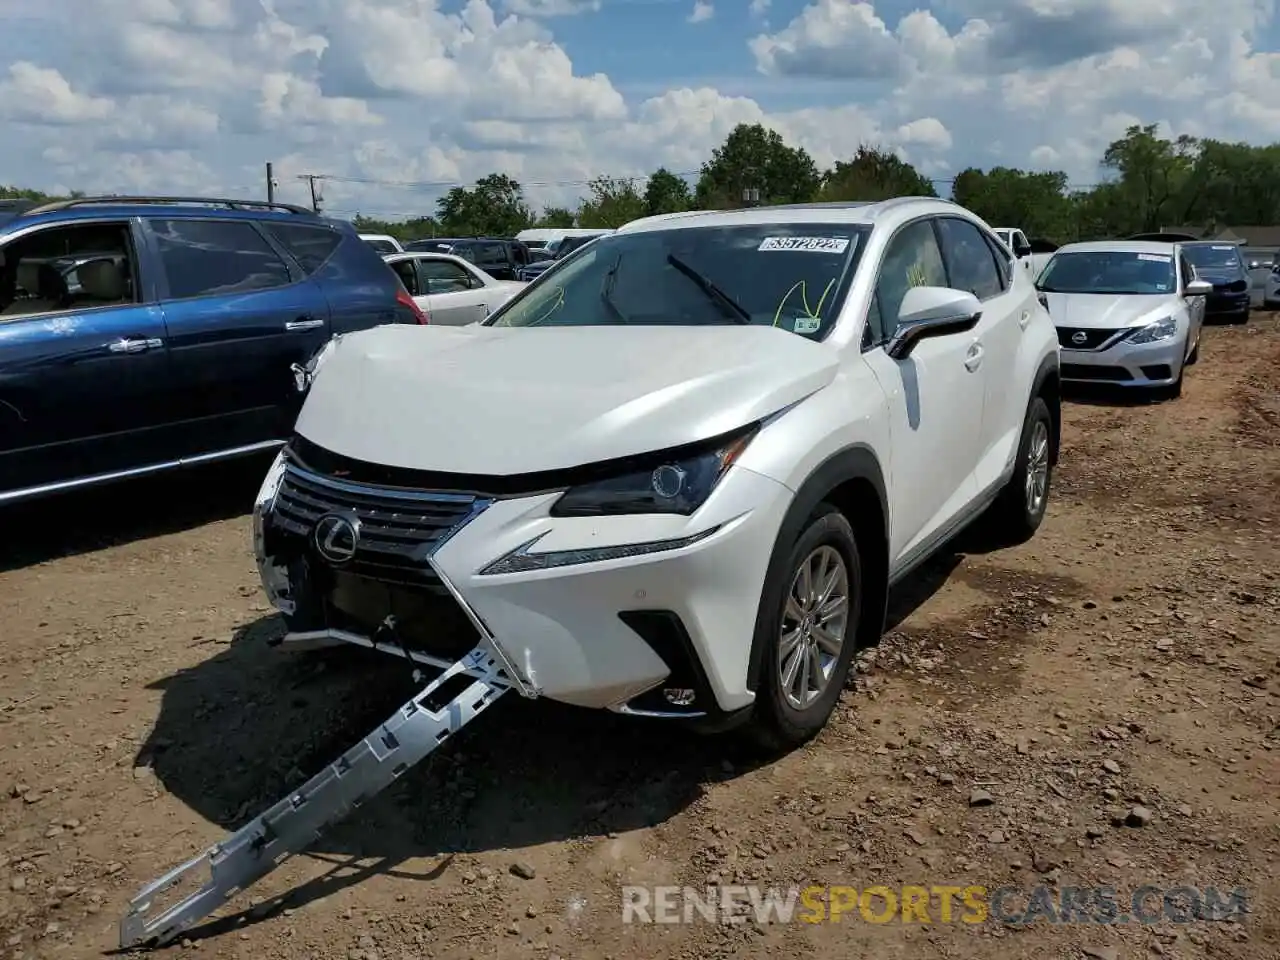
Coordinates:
678 696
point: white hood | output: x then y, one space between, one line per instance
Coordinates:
507 400
1108 311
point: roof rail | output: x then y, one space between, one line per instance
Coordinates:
127 201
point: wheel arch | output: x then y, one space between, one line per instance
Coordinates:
1048 387
851 480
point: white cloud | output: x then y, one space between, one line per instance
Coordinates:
194 95
702 12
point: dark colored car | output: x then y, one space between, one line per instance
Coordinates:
140 334
565 247
1222 265
501 259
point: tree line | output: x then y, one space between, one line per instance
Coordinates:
1147 182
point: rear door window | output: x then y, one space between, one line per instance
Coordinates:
216 258
404 269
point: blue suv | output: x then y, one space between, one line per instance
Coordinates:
141 334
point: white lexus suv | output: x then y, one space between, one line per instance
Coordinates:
677 474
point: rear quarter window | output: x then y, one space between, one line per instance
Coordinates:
311 247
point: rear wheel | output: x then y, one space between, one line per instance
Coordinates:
1019 509
1241 317
810 624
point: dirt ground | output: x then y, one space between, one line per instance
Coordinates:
1023 704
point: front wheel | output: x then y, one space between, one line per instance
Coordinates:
1241 317
810 624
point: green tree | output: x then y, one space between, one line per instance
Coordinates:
1155 177
874 174
666 193
1038 202
754 157
25 193
1235 184
556 218
415 228
494 207
613 202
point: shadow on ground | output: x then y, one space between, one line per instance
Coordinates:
238 731
69 524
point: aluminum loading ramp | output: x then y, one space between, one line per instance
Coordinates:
290 826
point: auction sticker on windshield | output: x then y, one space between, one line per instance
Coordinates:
805 244
1155 257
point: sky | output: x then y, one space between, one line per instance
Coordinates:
394 101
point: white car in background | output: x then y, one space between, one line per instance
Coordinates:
1128 312
383 243
451 291
1271 289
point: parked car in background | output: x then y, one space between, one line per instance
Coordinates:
141 334
1019 246
1223 266
501 259
382 242
450 290
1271 292
559 250
1258 263
1128 312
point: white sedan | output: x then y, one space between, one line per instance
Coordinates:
448 289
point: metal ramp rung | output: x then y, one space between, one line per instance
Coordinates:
291 825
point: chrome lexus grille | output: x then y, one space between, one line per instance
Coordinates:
399 529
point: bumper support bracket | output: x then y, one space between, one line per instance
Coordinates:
292 824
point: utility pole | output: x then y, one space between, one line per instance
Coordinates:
271 185
316 197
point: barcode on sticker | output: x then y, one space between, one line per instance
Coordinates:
1155 257
806 244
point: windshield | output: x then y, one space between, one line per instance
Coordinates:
1109 271
1213 256
792 276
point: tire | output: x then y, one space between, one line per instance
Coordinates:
1195 355
1015 517
778 722
1240 318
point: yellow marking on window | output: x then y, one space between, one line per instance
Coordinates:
800 285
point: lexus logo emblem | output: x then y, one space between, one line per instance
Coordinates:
336 537
1079 337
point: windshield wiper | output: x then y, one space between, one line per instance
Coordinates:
740 315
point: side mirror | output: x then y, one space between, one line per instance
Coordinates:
1255 264
932 312
1198 288
1021 250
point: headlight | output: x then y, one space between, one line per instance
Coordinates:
677 485
1162 329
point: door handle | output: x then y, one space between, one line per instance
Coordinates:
303 323
134 345
973 360
1024 319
